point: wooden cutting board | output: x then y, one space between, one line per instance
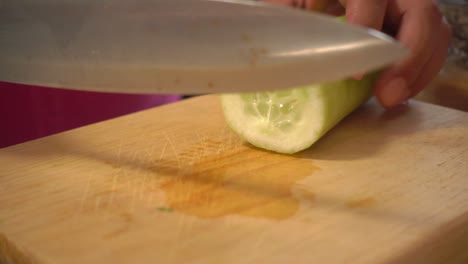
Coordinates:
174 185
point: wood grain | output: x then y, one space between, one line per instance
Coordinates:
174 185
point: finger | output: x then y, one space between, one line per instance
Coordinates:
317 5
280 2
367 13
416 33
334 9
436 61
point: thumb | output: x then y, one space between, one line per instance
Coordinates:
368 13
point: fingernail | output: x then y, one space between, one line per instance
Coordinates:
394 93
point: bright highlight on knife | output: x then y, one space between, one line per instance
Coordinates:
180 46
309 52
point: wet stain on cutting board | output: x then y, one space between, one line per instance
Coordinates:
219 180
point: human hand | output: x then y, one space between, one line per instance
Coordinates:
416 24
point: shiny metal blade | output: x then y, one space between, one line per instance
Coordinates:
180 46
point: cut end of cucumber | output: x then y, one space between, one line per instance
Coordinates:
273 120
277 113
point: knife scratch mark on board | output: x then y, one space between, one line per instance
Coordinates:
163 152
171 144
142 186
85 192
201 151
147 157
115 177
153 149
113 189
133 184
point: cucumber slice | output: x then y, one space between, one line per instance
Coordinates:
292 120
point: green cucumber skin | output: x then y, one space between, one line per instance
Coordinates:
343 97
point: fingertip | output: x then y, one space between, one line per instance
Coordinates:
393 92
367 13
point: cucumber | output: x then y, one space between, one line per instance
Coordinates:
289 121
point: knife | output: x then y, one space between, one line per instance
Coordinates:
181 46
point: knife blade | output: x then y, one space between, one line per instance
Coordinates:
181 46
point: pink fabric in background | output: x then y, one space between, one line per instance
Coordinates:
29 112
